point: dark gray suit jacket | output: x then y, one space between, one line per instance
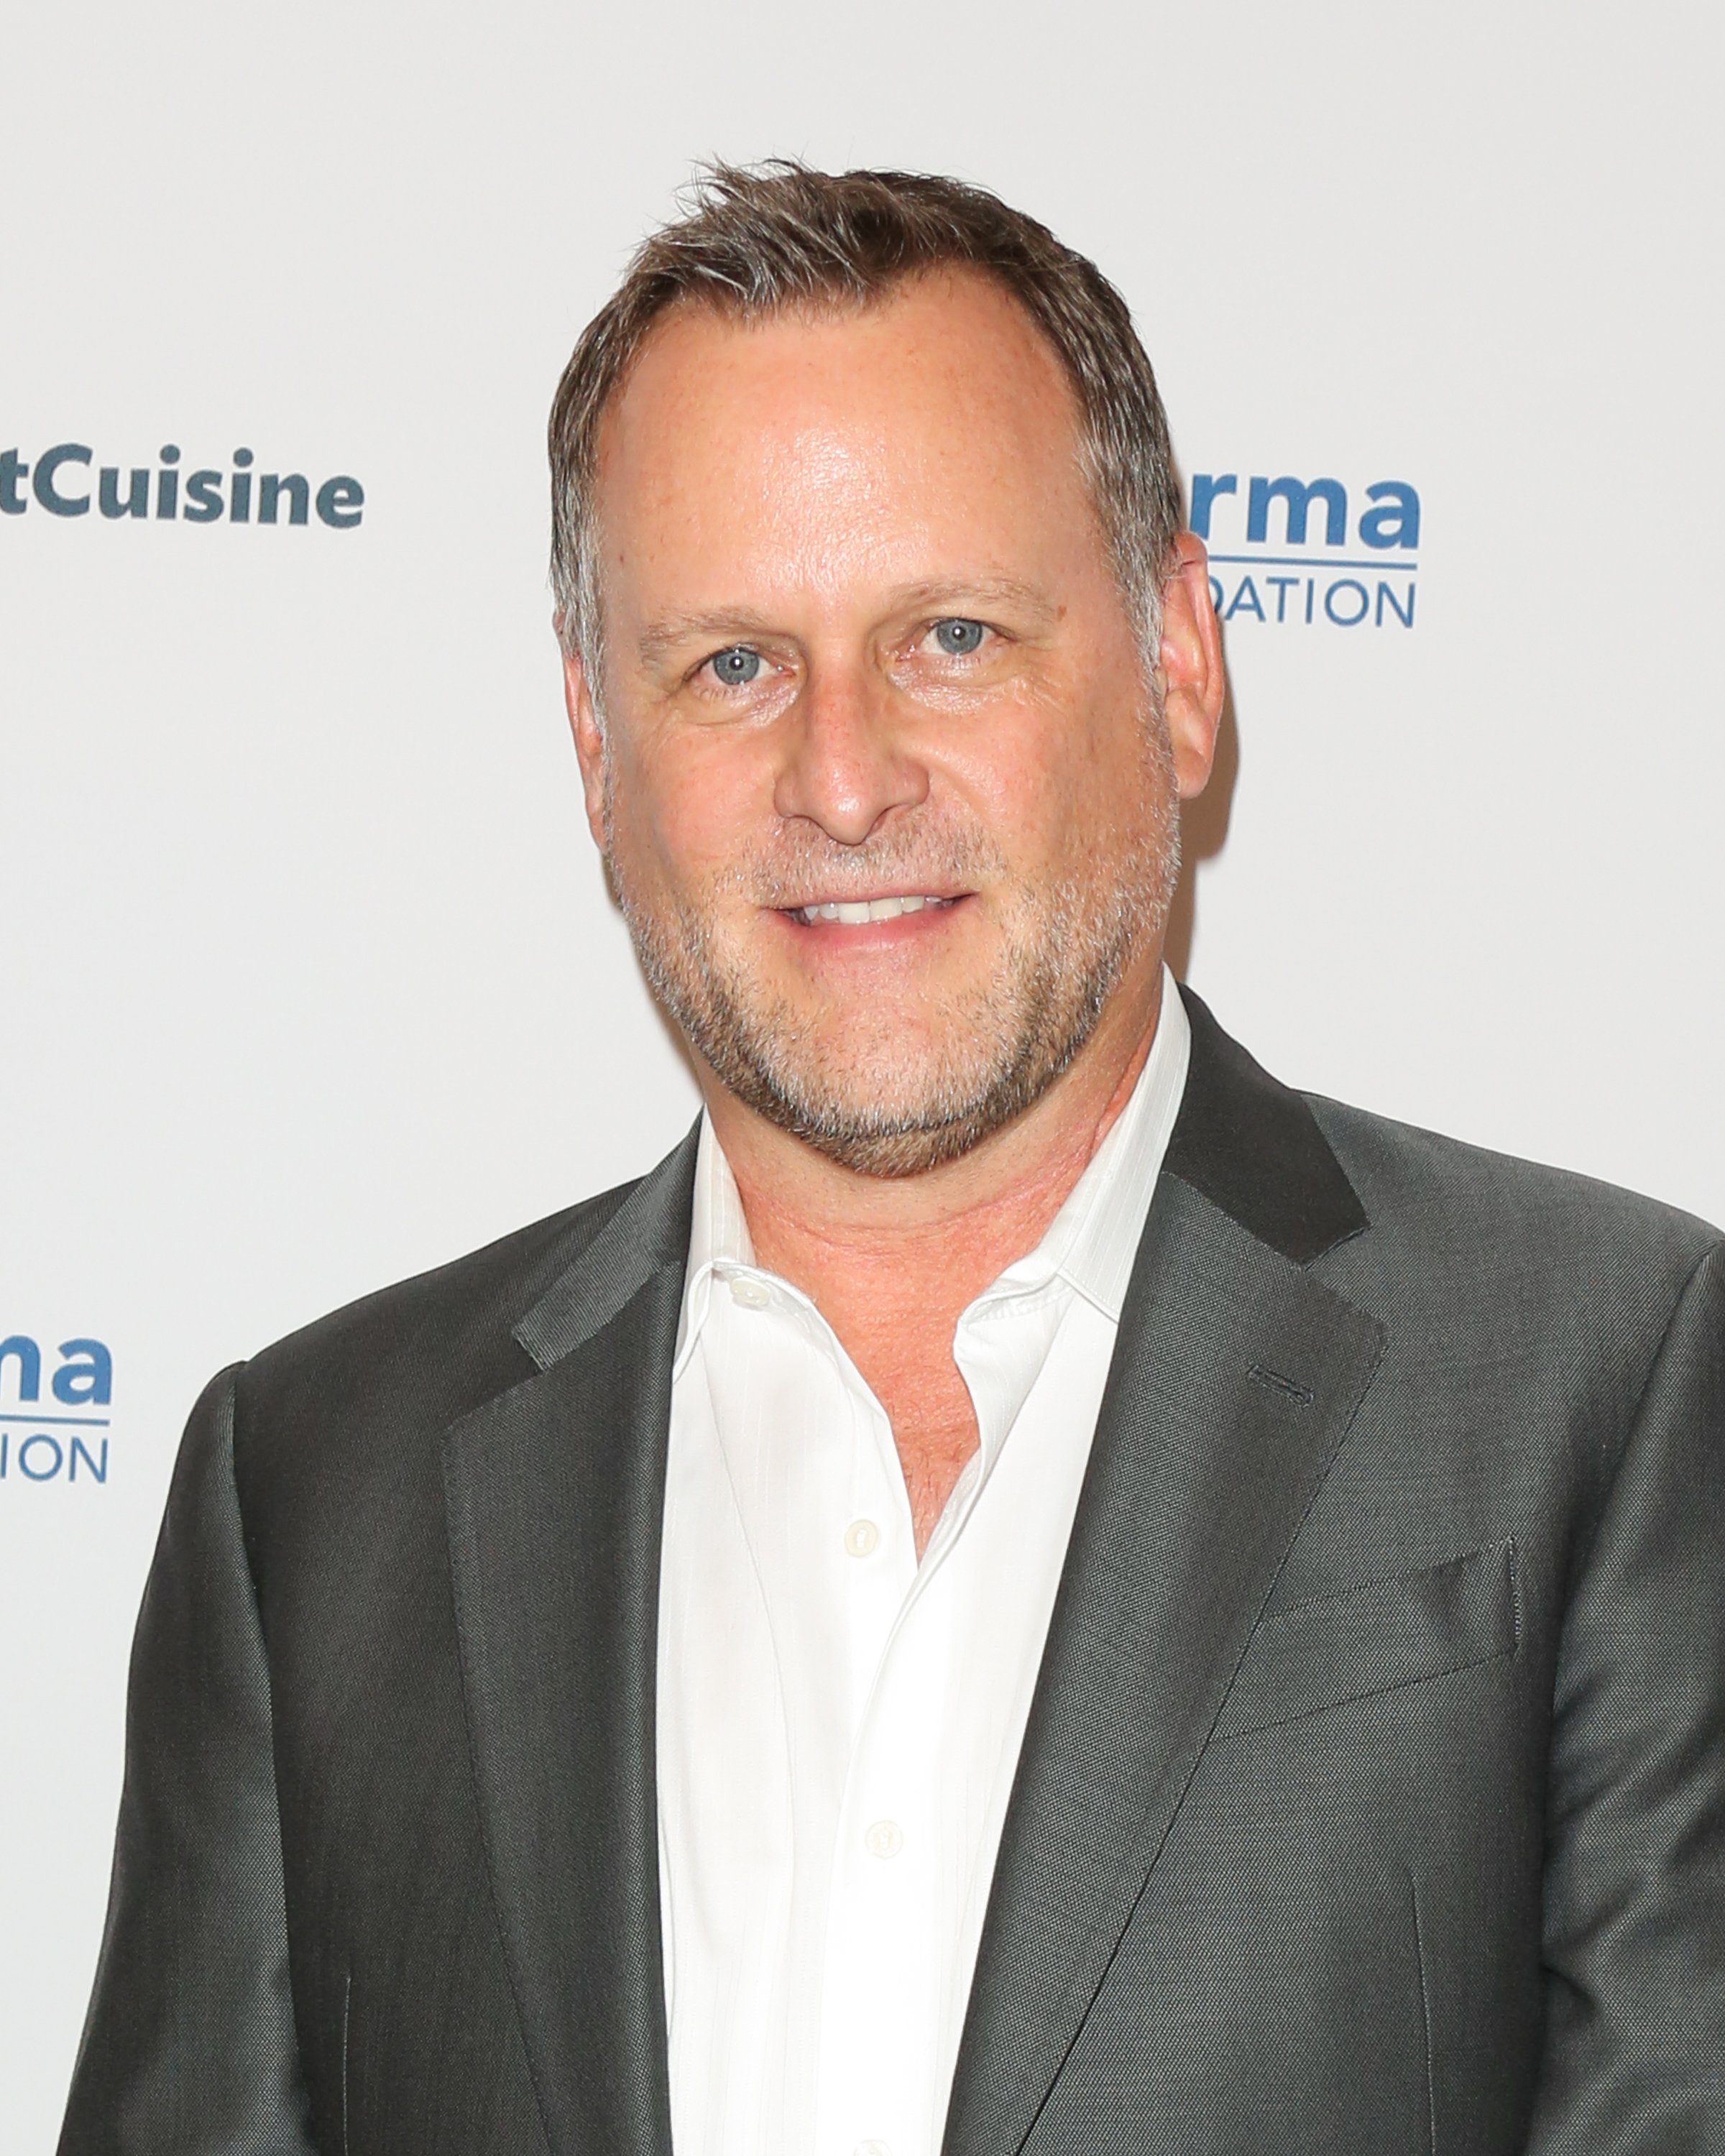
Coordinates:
1374 1794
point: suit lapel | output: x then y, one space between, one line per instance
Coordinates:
1235 1378
554 1493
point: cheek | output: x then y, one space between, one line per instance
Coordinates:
1111 769
1046 781
688 808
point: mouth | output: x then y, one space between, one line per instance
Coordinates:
860 912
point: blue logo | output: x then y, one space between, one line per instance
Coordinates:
1294 552
66 1440
66 480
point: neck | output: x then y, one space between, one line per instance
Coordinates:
891 1264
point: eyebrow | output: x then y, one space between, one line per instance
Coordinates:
733 625
738 624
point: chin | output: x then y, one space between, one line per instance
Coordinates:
887 1112
884 1066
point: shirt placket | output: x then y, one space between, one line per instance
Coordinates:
882 1966
845 1564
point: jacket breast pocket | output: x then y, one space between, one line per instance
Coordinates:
1378 1637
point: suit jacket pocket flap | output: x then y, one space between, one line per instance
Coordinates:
1383 1634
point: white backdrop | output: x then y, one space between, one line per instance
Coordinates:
309 977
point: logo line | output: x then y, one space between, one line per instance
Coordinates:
82 1422
1318 562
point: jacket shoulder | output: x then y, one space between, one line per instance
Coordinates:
1507 1241
1394 1163
440 1340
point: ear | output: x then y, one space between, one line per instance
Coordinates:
1194 680
589 742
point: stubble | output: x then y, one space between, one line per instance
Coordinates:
863 1087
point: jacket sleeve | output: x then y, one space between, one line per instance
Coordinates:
1633 2062
189 2048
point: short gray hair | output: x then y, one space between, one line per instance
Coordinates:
755 240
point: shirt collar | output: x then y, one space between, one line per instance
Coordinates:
719 1241
1090 1243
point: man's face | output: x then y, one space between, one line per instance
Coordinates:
884 785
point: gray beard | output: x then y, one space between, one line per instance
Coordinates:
1004 1043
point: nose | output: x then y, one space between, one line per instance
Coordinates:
846 766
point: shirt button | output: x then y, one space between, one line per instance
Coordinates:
862 1538
751 1294
884 1838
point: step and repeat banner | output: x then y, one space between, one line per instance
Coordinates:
309 976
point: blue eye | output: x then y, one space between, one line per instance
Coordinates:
957 637
737 666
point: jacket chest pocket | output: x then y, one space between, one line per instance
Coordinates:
1378 1637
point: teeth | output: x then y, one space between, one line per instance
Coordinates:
853 912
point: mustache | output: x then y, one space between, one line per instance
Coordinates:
805 863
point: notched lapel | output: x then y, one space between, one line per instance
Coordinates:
1254 1148
1236 1378
554 1493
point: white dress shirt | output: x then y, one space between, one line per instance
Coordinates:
838 1725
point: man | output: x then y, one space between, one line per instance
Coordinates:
1028 1589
